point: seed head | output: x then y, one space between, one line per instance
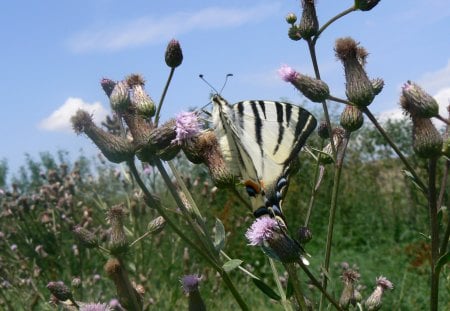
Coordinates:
59 290
86 238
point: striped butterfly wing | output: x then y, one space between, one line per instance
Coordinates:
261 139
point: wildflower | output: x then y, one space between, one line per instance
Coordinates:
76 282
313 89
190 287
174 54
374 301
60 290
115 305
14 247
427 142
359 88
267 233
187 126
418 103
309 25
261 230
95 307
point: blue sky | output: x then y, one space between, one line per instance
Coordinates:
54 54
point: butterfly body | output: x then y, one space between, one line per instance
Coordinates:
259 140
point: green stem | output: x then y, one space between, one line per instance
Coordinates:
332 216
312 53
332 20
434 227
298 294
417 179
153 203
317 284
312 199
286 305
163 96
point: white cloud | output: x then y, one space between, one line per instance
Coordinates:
59 120
150 29
434 82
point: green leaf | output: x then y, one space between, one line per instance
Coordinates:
443 260
289 290
219 236
266 289
231 264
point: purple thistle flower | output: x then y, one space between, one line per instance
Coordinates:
190 283
287 73
384 283
95 307
187 126
261 230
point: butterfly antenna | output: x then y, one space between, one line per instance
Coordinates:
225 83
209 84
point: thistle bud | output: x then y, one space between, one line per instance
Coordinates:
418 103
174 54
118 243
377 85
86 238
139 98
304 235
159 143
326 157
120 97
374 302
116 149
351 118
156 225
359 88
313 89
365 5
349 278
323 131
190 287
427 142
294 33
291 18
309 25
60 290
107 86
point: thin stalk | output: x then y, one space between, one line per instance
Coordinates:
298 294
434 227
332 20
163 96
198 230
371 117
332 216
317 284
182 235
286 305
446 121
312 53
312 199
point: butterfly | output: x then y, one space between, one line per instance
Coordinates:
259 141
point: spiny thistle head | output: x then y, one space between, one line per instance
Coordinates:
86 238
304 235
139 97
94 307
427 142
374 301
418 103
187 127
309 25
190 287
294 33
174 54
120 97
118 243
313 89
365 5
59 290
359 88
107 86
267 233
351 118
